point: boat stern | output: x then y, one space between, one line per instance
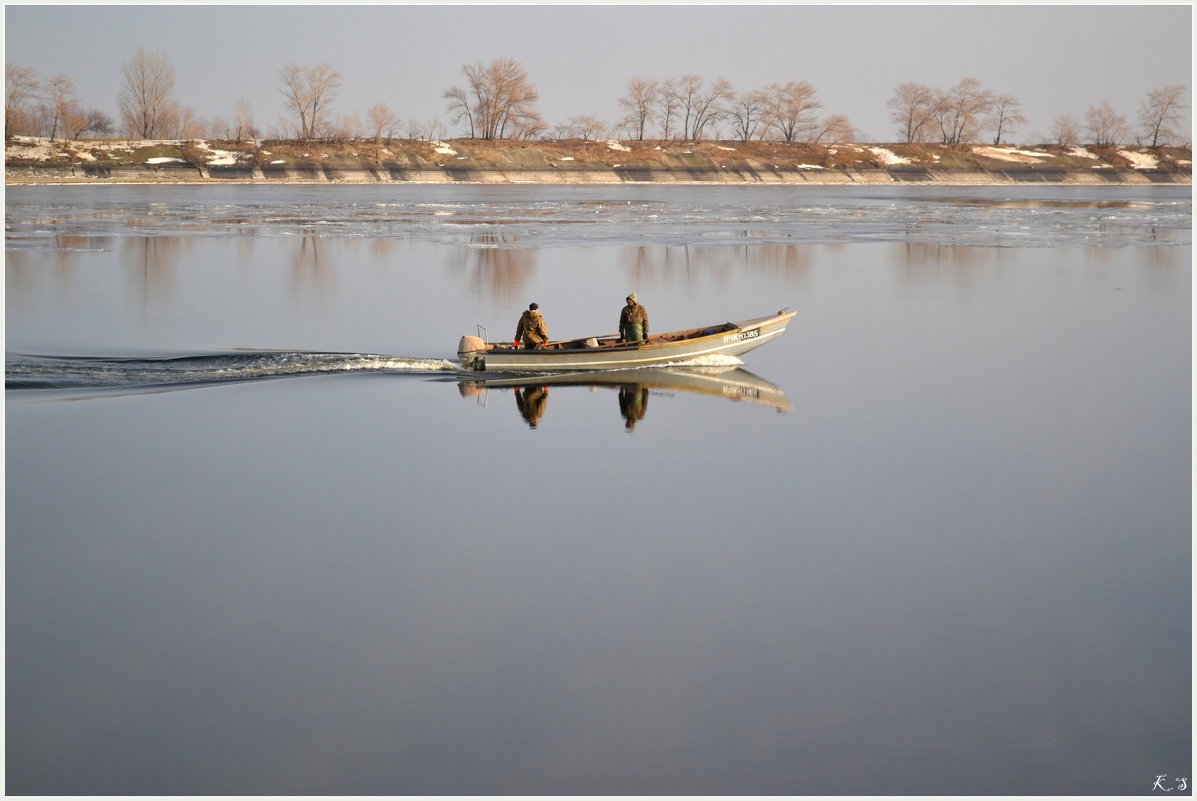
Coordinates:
471 352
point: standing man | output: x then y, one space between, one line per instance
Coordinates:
531 328
633 321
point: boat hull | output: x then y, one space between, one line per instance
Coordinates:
725 339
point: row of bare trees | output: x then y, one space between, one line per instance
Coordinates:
50 108
145 100
1160 117
688 107
963 112
951 116
498 101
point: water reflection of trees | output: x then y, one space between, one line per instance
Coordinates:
152 262
497 265
64 250
973 270
311 275
687 263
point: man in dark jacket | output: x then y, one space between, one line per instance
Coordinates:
531 329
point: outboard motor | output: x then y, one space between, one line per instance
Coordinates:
470 351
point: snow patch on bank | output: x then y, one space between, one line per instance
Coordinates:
217 158
888 156
1140 161
31 147
1012 154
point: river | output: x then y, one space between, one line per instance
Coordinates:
263 537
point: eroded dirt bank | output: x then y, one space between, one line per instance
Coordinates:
31 161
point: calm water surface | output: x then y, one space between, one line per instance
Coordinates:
262 538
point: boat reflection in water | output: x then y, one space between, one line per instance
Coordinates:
633 387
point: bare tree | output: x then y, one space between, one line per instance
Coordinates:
1106 126
748 113
791 110
414 129
243 121
637 106
690 90
217 127
911 109
668 105
1004 115
713 106
309 93
58 103
1160 114
700 105
431 130
383 122
584 126
1066 130
282 129
346 127
499 101
93 122
461 109
146 94
834 130
527 127
20 86
184 124
960 110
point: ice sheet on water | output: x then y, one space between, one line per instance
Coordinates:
537 216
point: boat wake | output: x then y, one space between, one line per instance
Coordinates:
710 360
25 371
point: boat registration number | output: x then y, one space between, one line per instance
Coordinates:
751 333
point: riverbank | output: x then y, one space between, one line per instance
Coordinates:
32 161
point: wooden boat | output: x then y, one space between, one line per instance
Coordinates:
608 353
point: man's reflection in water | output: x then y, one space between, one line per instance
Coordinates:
531 403
633 403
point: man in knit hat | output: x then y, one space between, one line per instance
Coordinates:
633 321
531 328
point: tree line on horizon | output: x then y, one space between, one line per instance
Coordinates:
499 101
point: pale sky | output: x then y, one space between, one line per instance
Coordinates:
1054 59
